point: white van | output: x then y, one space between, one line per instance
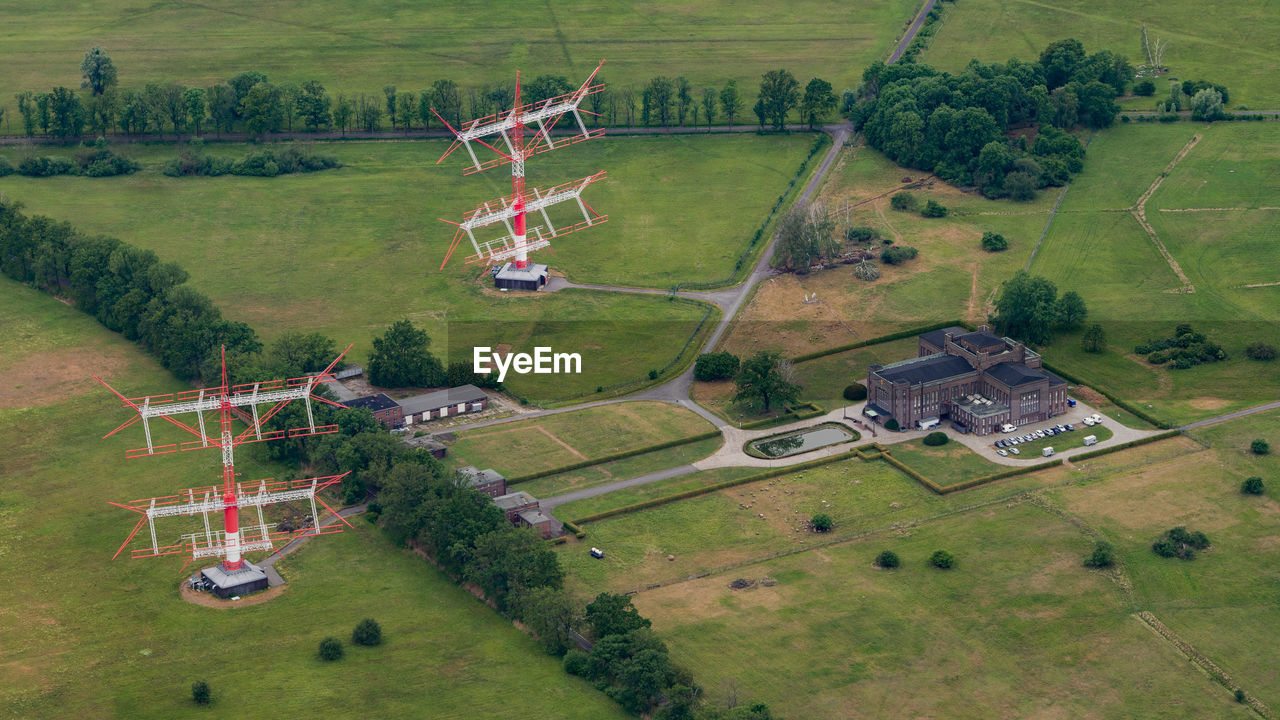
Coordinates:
1090 440
597 553
1007 428
1047 452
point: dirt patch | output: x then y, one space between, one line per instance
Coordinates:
45 378
1208 403
210 600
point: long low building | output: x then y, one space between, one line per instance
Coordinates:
976 380
443 403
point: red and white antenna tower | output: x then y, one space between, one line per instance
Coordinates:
510 125
228 402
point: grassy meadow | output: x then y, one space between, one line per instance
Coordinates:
1096 247
1237 48
528 446
348 251
359 47
89 637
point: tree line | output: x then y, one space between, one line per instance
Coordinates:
956 126
250 103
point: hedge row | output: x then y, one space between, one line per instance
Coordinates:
876 340
1127 445
684 495
1125 404
615 456
790 415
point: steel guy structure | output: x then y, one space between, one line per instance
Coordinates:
512 249
234 575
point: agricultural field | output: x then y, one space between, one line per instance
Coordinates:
97 638
358 48
1209 213
539 444
952 278
348 251
1237 48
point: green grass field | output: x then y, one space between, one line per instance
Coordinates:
1017 629
1236 48
621 469
346 252
1099 250
361 47
87 636
529 446
944 464
640 493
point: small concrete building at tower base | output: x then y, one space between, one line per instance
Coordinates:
248 579
509 277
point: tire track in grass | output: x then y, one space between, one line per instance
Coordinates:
1139 211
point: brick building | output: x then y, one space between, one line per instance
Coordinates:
386 410
976 380
443 403
487 482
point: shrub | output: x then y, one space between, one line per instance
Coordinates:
887 559
367 633
994 242
942 559
863 234
1094 340
5 167
821 522
576 663
1256 351
904 201
1103 555
1252 486
1240 697
331 649
653 374
716 366
866 271
855 392
934 209
892 424
1180 543
200 692
101 162
44 166
1260 447
1145 88
898 255
935 439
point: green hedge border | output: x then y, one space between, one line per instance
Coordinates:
615 456
789 415
1127 445
900 335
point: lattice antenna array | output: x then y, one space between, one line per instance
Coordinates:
243 402
541 118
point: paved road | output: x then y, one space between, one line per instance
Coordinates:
269 565
911 32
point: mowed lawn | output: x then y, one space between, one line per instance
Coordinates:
86 636
1018 628
1223 601
952 278
359 47
1208 215
1236 49
348 251
537 444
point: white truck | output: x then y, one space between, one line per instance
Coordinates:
1047 452
1090 440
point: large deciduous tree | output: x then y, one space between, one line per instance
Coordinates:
730 100
819 101
98 71
761 383
1027 308
779 94
401 358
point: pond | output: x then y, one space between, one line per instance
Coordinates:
800 441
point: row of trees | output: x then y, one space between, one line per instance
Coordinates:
932 120
249 102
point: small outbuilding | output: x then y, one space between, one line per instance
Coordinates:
488 482
443 403
533 277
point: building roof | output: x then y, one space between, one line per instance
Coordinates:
474 476
1015 374
533 516
981 339
374 403
515 500
938 337
930 368
442 398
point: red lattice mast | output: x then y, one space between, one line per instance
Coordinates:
513 212
229 402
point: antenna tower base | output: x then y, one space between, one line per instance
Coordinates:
531 277
224 584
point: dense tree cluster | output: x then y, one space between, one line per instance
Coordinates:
1186 349
1029 309
806 236
955 125
262 163
716 366
1180 543
126 288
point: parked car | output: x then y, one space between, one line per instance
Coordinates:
1071 428
1097 419
1007 428
1015 451
1071 402
1003 453
1088 421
